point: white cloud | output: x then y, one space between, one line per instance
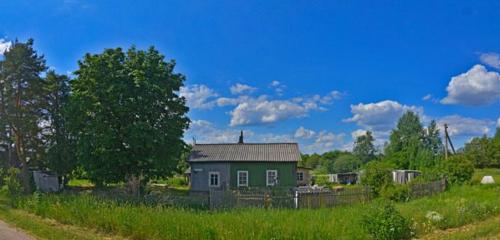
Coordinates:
475 87
4 46
358 133
304 133
205 132
278 87
198 96
498 122
325 141
464 126
239 88
381 116
490 59
427 97
261 111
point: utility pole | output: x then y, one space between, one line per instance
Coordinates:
446 141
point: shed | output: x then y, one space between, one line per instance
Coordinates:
304 176
46 181
404 176
343 178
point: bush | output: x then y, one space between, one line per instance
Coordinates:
377 175
398 193
12 183
383 221
458 169
177 181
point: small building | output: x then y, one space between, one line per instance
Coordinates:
243 165
404 176
46 181
343 178
304 176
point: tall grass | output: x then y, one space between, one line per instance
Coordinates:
459 206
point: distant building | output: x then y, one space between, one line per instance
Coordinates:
304 176
243 165
343 178
404 176
46 181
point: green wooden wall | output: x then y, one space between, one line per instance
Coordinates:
257 173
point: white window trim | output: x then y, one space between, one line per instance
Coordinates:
238 175
209 179
300 174
267 177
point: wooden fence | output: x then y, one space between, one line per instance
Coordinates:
333 198
425 189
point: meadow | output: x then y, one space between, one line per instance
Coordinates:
459 206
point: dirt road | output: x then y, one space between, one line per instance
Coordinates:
9 233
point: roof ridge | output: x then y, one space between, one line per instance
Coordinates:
246 143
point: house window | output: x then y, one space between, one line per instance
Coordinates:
213 179
242 178
300 176
271 177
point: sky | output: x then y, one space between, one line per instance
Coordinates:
318 73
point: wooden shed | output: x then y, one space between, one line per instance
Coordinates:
404 176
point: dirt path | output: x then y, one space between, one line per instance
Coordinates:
487 229
9 233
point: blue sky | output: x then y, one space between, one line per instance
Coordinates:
313 72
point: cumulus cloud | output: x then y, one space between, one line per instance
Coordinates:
381 116
490 59
205 132
198 96
464 126
498 122
302 132
239 88
325 141
475 87
4 46
278 87
427 97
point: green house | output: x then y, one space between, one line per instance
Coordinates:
243 165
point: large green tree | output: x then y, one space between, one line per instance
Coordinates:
364 149
127 116
60 156
23 104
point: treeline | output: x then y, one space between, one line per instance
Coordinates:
118 119
410 146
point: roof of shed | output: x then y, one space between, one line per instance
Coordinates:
245 152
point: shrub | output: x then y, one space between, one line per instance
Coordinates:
458 169
321 180
398 193
177 181
12 183
377 175
383 221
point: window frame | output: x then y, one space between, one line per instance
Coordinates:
301 178
275 178
238 178
210 179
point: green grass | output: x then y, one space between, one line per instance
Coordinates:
487 229
459 206
480 173
44 228
80 183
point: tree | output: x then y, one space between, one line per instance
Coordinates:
23 104
60 147
494 149
377 175
458 169
432 139
345 163
364 149
127 116
477 150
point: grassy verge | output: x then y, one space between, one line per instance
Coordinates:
457 207
488 229
43 228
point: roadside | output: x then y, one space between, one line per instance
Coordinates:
9 233
487 229
41 228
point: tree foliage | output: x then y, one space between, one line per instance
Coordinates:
22 106
484 151
364 149
127 116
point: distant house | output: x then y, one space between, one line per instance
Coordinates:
404 176
304 176
344 178
243 165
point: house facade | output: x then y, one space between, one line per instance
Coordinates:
243 165
304 176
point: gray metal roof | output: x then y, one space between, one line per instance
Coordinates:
245 152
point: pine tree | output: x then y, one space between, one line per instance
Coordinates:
23 103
